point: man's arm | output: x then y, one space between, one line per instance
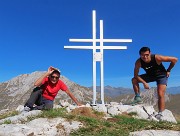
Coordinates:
136 74
172 60
39 80
72 97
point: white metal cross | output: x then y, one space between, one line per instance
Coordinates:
98 56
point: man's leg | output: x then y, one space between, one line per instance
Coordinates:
137 98
161 88
35 95
136 88
161 98
135 84
48 104
44 105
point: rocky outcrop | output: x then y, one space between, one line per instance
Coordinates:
40 126
20 126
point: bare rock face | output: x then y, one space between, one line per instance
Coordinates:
40 126
155 133
150 97
17 90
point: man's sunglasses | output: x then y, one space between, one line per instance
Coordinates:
56 77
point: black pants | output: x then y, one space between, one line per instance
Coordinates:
37 99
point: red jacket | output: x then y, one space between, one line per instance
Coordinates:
50 90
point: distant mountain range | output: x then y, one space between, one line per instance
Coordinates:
173 90
116 91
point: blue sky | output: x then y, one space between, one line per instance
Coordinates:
33 34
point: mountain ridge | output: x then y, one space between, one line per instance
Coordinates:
113 91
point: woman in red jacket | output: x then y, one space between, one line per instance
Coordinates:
47 87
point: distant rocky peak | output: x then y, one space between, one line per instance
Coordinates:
21 83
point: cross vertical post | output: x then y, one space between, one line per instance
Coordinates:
94 51
102 61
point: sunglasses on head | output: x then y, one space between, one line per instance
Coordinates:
56 77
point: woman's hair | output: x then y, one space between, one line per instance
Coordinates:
144 49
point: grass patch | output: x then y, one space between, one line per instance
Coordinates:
120 125
95 125
7 122
8 114
132 114
53 113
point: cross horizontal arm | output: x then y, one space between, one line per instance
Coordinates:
96 47
98 40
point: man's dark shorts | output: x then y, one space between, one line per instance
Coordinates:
160 79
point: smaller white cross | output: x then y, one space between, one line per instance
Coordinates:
98 56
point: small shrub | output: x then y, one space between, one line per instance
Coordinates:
132 114
7 122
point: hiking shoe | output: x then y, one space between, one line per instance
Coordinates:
159 116
26 108
137 100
